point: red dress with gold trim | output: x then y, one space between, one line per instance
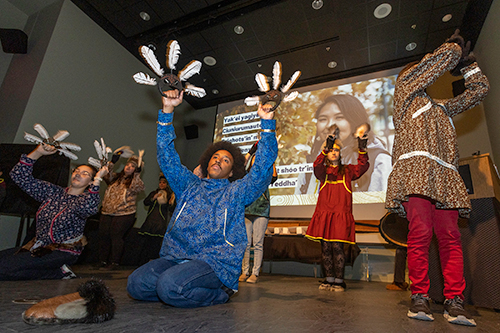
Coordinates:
333 220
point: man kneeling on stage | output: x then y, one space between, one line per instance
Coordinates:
200 260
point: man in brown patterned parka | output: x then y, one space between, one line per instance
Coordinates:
425 185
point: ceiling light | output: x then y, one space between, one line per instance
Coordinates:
382 10
332 64
210 61
317 4
411 46
447 17
259 65
414 26
215 91
238 29
145 16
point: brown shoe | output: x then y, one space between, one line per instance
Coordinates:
253 279
243 277
397 287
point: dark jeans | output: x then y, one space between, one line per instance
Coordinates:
112 230
23 266
186 285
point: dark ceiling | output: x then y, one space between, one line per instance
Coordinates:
291 31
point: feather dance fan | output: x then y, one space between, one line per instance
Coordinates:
170 80
274 96
64 148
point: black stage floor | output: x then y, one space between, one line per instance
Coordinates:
277 303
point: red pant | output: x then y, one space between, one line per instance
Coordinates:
424 217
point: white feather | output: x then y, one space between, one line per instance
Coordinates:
95 163
253 100
70 146
32 138
276 75
189 70
61 135
98 149
195 91
68 154
291 96
262 82
151 60
103 148
139 161
42 131
143 78
173 52
291 82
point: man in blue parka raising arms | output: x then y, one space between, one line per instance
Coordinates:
200 260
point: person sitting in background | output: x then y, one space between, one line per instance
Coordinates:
200 260
161 203
60 221
118 212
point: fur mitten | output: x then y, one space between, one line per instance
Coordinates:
91 304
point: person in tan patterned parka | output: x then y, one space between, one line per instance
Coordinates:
425 185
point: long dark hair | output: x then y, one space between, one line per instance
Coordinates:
127 180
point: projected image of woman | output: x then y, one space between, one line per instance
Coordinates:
347 113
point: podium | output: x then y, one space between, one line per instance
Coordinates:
480 237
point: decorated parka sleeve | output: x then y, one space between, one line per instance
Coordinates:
258 179
431 67
319 166
22 175
359 169
178 176
137 185
476 89
88 202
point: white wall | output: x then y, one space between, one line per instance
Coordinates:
84 85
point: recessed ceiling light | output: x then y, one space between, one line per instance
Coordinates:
238 29
259 65
145 16
411 46
210 61
332 64
383 10
317 4
414 26
215 91
447 17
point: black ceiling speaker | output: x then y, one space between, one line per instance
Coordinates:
191 132
14 41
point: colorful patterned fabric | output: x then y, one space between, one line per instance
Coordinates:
208 222
120 199
332 220
425 153
61 217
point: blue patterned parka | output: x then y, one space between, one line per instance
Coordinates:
208 223
61 217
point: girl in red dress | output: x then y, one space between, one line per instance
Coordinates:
333 223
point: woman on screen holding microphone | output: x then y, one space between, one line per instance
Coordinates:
332 223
